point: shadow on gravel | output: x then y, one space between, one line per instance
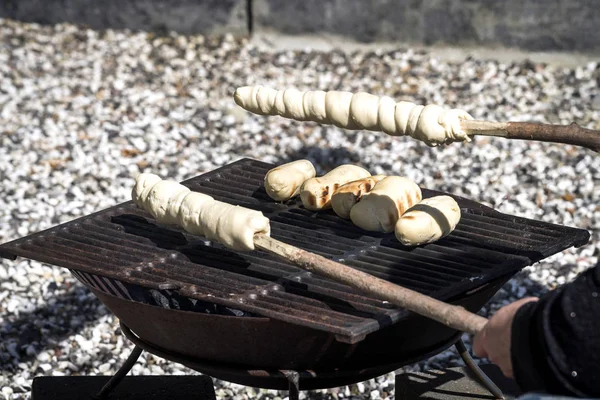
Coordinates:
324 159
24 337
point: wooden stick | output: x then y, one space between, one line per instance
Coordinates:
453 316
567 134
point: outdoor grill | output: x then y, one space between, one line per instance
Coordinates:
251 318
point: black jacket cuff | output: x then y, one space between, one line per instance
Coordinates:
526 350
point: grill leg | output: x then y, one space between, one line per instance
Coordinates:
118 377
293 378
483 378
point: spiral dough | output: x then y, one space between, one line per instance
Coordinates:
431 124
169 202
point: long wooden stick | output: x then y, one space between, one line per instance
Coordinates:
566 134
455 317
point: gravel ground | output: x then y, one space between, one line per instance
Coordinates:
83 112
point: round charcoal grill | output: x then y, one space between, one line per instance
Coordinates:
228 314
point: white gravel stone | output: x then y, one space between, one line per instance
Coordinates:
7 392
83 112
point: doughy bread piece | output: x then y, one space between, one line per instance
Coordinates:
351 193
380 209
160 198
431 124
316 192
188 215
199 214
284 182
430 220
143 184
232 226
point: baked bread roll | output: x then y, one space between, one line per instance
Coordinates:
284 182
199 214
346 196
380 209
430 124
430 220
316 192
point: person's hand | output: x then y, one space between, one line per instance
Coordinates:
493 342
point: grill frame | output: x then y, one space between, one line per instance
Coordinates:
272 288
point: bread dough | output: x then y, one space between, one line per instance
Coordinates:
380 209
285 181
428 221
316 192
199 214
160 196
351 193
188 215
431 124
232 226
143 185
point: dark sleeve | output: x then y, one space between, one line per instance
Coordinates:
555 342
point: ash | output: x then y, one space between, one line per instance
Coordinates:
83 112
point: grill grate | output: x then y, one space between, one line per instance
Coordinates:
125 243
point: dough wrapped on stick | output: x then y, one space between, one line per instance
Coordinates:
431 124
255 232
285 181
172 203
316 192
379 210
428 221
351 193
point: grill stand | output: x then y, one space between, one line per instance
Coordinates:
293 377
481 376
293 383
114 381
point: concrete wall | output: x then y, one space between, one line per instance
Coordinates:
185 16
526 24
571 25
